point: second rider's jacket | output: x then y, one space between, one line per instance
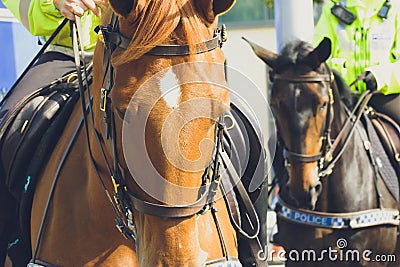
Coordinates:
41 18
369 43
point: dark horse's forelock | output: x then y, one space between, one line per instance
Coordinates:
292 54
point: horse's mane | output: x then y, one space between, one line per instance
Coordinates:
347 97
156 21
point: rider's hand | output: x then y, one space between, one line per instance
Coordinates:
370 81
70 8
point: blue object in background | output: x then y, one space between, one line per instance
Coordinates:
17 48
7 59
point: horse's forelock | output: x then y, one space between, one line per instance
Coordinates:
153 22
293 53
156 21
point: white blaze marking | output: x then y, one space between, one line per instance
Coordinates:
170 90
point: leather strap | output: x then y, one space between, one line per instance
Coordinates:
302 158
303 78
255 251
184 50
251 237
350 122
253 217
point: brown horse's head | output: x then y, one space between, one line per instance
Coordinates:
166 107
300 100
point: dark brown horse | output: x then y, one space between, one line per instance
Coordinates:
335 208
145 146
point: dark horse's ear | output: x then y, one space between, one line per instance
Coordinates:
122 7
319 55
267 56
211 8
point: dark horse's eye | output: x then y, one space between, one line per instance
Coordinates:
323 106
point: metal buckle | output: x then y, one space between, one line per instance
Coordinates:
230 117
103 99
331 99
101 37
223 37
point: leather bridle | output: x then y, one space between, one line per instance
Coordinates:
292 156
124 201
113 38
328 154
212 177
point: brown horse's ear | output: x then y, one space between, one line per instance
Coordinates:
122 7
265 55
319 55
212 8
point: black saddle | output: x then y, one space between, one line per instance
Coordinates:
28 135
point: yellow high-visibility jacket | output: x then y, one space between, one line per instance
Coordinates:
369 43
41 18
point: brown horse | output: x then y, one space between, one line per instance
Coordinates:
336 207
139 129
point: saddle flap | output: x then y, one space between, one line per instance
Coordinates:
389 134
21 144
382 160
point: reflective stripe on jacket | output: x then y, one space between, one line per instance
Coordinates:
369 43
41 18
